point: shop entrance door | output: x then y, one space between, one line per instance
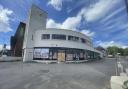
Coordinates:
61 56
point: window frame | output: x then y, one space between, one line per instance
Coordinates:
73 38
45 36
85 41
58 37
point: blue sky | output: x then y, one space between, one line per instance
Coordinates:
105 21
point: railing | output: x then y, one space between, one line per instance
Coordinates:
122 65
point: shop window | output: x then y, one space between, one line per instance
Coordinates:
45 53
41 53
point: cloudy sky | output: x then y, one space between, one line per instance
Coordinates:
105 21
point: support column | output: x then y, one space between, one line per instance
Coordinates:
28 55
36 21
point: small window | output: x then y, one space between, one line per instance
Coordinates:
76 38
45 36
59 36
70 37
83 40
73 38
32 37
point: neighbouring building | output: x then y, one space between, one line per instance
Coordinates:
102 50
41 43
16 41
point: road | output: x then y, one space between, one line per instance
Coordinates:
90 75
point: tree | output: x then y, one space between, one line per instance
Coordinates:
113 50
126 52
121 51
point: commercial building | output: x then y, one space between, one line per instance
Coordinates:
41 43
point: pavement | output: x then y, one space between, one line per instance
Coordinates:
90 75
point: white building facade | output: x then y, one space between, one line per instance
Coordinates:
62 45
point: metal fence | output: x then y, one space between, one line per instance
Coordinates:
122 65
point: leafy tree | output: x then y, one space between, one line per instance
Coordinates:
126 51
113 50
121 51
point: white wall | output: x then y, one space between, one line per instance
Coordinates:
37 20
61 43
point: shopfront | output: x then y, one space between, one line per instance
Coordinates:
60 54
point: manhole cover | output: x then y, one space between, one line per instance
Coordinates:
44 71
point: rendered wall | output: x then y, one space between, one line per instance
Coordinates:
61 43
37 20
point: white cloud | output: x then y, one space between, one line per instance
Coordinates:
57 4
98 10
8 46
52 24
115 20
120 24
4 19
113 14
1 46
110 43
70 23
88 33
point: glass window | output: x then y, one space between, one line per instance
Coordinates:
73 38
32 37
45 36
41 53
44 53
69 55
83 40
59 36
37 53
50 54
54 56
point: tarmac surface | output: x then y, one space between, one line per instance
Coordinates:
90 75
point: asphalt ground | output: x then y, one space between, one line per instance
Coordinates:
90 75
